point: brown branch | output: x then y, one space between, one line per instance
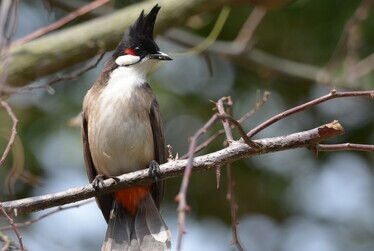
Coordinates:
63 21
13 135
332 95
237 150
14 227
345 147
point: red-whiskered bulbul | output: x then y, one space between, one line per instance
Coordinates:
122 132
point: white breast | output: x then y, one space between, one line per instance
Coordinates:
120 134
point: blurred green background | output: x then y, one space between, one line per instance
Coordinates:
289 200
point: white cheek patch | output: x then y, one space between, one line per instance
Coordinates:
127 60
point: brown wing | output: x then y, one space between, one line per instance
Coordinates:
104 201
159 149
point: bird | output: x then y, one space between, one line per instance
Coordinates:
122 132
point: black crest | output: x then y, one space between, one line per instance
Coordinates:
143 27
140 35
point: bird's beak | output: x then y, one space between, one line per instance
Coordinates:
160 56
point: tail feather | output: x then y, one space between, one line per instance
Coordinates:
118 231
151 230
146 231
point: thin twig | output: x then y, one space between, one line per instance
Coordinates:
349 40
226 127
8 243
344 147
364 66
230 180
332 95
207 142
63 21
32 221
259 104
241 131
13 135
181 197
246 33
223 115
230 196
14 227
48 86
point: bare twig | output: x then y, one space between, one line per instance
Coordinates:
344 147
245 138
13 135
233 208
207 142
9 244
246 33
30 222
353 26
181 197
364 66
48 86
230 180
63 21
14 227
332 95
349 41
259 104
223 115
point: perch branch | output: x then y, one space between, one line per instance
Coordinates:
237 150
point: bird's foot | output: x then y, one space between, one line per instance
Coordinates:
97 181
154 170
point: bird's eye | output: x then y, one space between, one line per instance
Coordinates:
137 49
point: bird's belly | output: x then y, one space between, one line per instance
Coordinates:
121 140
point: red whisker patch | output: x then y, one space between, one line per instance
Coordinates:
130 52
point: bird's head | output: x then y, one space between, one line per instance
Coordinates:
138 46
